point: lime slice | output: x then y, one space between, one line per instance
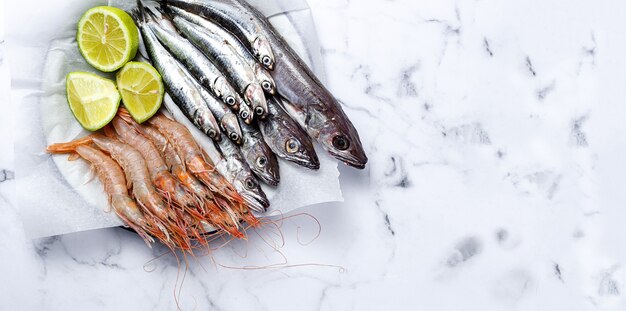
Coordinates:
142 90
107 37
93 100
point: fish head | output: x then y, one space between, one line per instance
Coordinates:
265 79
264 166
256 98
262 51
230 124
299 149
338 136
225 92
245 112
208 125
249 188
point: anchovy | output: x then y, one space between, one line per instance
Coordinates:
180 86
285 137
307 100
262 75
259 156
208 76
227 119
245 112
239 174
228 60
247 31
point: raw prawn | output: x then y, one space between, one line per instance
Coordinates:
187 149
112 176
137 176
162 147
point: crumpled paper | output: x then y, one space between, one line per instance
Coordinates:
56 196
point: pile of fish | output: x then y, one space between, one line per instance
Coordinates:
230 75
238 81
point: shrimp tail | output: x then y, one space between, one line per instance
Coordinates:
69 147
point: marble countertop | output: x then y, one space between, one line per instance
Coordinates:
496 141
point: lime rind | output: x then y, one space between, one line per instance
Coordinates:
111 94
127 26
130 96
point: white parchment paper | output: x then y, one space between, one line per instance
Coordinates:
58 197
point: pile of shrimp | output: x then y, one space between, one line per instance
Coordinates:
159 183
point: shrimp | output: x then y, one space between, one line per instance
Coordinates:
162 179
191 154
215 215
187 148
112 176
137 176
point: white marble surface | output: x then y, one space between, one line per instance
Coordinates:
496 140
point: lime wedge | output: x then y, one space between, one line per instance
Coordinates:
107 37
93 100
142 90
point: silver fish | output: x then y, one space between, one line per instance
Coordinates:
309 102
227 119
285 137
245 112
225 57
259 156
198 65
239 174
262 75
179 85
224 13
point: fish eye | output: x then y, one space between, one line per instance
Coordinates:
266 85
244 114
267 60
212 133
341 142
259 111
234 136
250 183
292 145
261 161
230 101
